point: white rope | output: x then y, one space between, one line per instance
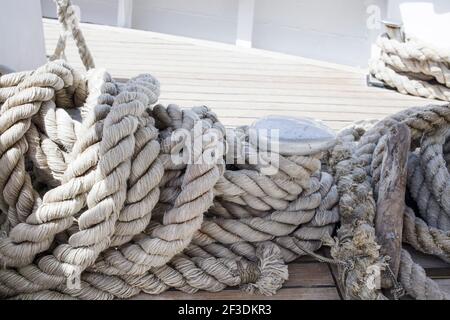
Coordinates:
411 66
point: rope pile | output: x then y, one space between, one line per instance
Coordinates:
412 66
357 160
105 193
94 206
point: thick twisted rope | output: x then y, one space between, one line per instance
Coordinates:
36 222
358 169
112 139
416 282
415 49
20 233
69 26
424 238
188 274
110 207
411 66
121 129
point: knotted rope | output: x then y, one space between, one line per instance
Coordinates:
105 194
412 66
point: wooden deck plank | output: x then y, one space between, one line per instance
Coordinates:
307 280
197 63
357 101
309 275
275 92
235 122
363 103
434 267
325 116
335 275
276 108
328 293
124 37
266 86
127 52
323 113
444 284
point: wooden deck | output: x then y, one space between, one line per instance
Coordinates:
308 280
241 85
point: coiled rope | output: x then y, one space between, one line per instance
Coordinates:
412 66
93 205
357 160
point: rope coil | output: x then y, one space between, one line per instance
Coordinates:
357 162
105 193
412 66
103 196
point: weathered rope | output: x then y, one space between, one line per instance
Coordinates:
69 26
91 192
416 282
411 66
357 165
116 120
424 238
116 144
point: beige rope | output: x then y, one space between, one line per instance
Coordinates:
430 207
416 282
424 238
54 214
415 49
104 198
411 66
357 166
69 25
104 166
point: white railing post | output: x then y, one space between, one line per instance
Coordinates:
124 13
22 44
244 30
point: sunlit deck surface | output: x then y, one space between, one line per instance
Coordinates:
241 85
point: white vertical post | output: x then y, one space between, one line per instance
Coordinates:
22 44
393 11
124 13
244 32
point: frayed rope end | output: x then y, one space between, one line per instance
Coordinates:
273 271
